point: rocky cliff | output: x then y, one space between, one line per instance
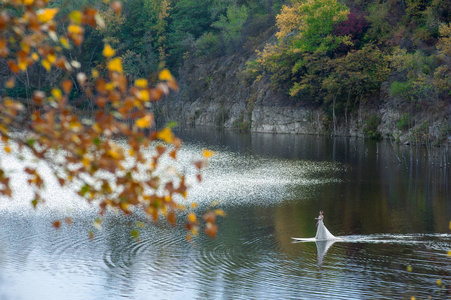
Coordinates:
218 93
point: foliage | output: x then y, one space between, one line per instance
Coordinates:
208 44
231 24
405 122
371 130
378 17
84 153
355 26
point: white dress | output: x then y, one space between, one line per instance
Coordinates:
322 234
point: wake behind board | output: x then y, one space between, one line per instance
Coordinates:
304 239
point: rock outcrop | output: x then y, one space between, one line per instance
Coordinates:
217 92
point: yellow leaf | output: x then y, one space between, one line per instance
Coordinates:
22 65
3 129
47 65
86 161
7 149
124 206
113 153
207 153
74 29
193 205
109 86
141 82
10 83
144 122
28 2
220 212
108 51
95 73
25 47
65 43
51 58
76 16
439 282
409 268
46 15
194 231
165 135
76 139
115 65
165 75
35 56
131 152
57 93
192 218
144 95
449 253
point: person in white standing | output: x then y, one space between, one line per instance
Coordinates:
322 234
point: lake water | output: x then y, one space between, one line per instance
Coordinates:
394 218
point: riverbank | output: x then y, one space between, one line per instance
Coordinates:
217 92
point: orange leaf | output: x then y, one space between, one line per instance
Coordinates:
67 86
171 217
57 224
117 7
211 230
192 218
207 153
13 66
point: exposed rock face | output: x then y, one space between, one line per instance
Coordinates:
218 93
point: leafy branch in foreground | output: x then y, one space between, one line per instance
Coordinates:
113 159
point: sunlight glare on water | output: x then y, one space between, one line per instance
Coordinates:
389 218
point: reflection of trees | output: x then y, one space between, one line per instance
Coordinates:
376 193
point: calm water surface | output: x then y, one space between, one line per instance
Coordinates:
394 217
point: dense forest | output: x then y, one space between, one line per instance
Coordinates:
328 53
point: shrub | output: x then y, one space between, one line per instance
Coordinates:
371 130
404 122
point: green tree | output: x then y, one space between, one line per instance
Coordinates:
232 23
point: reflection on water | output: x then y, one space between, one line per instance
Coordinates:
390 215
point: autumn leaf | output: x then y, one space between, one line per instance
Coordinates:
141 82
46 64
117 7
192 218
108 51
165 75
57 224
220 212
144 122
76 16
10 83
165 135
46 15
115 65
207 153
67 86
211 229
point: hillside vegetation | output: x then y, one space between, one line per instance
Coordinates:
326 53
